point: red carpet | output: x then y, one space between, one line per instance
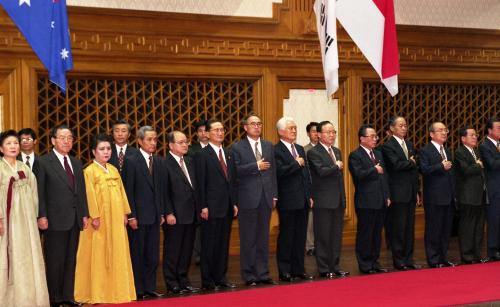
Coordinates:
429 287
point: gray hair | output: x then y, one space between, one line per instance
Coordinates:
282 122
141 133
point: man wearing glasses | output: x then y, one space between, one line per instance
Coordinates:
439 196
257 195
63 213
371 198
216 206
27 137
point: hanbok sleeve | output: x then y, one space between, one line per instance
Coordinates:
91 193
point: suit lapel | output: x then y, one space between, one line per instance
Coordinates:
143 165
399 148
215 160
59 169
173 163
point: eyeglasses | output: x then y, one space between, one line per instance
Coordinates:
372 136
218 130
255 124
442 130
330 132
65 138
26 140
181 142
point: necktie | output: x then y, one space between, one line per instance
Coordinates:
405 149
258 155
474 154
294 152
69 173
498 145
372 157
330 152
150 165
28 161
184 170
441 152
120 159
222 163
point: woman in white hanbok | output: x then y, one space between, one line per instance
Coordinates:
22 270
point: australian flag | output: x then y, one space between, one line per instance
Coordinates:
44 24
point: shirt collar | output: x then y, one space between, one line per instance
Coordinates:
400 140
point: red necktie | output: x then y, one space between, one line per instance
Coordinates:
372 157
69 173
222 163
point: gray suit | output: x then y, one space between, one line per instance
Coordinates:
64 206
256 190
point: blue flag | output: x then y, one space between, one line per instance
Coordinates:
44 24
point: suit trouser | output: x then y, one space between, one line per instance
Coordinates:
145 254
401 217
369 237
470 231
291 240
328 225
177 249
254 241
310 230
215 235
493 226
60 253
197 243
438 225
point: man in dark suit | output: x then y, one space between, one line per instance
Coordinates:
257 195
63 212
400 160
121 149
294 202
202 137
471 196
181 215
490 155
326 168
217 199
144 180
312 134
439 196
371 198
28 140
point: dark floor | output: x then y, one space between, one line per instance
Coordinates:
348 262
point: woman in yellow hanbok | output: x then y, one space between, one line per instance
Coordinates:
103 265
22 270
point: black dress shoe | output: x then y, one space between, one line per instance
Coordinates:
484 260
251 283
209 287
326 275
72 303
176 290
286 277
381 270
153 294
303 276
448 264
267 281
414 266
402 268
190 289
436 265
370 271
340 273
226 285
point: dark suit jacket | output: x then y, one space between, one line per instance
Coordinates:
439 185
215 191
131 151
470 177
293 180
35 164
194 148
252 182
327 189
180 198
372 189
145 193
58 201
402 173
491 159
